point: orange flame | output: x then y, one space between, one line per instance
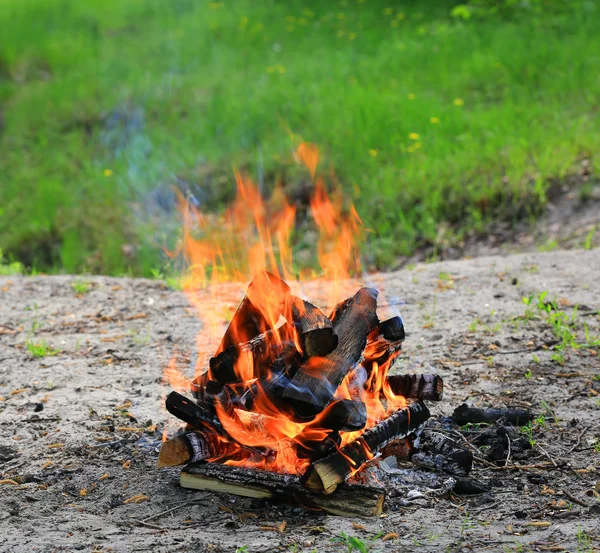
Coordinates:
252 236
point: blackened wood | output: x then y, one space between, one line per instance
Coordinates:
466 485
400 448
260 353
348 500
187 448
249 320
324 475
464 414
417 386
345 414
438 452
384 344
315 329
195 414
310 446
315 383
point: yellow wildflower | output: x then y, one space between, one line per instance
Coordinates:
280 68
394 23
289 28
434 120
373 152
413 136
243 22
410 149
340 34
341 16
108 172
388 11
411 96
459 102
417 145
351 36
400 16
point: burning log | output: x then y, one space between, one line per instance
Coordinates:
417 386
325 475
348 500
384 343
315 383
464 414
255 356
346 414
188 448
315 329
265 301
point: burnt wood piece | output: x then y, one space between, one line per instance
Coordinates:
324 475
348 500
440 453
401 449
417 386
255 356
265 301
315 329
198 415
384 344
345 414
199 418
464 414
316 381
313 446
190 447
194 445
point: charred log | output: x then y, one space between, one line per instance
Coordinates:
315 383
348 500
417 386
464 414
315 329
325 475
249 321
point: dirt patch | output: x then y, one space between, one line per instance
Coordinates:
81 426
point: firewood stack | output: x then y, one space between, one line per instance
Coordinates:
301 395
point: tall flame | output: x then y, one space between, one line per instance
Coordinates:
223 253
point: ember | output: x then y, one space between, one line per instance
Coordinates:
292 389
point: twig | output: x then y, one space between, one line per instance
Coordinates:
473 449
547 454
585 428
575 499
188 502
148 525
508 455
588 313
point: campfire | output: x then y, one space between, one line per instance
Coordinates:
296 400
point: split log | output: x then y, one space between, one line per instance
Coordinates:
345 414
315 383
315 329
254 357
464 414
187 448
417 386
266 300
325 475
348 500
197 414
384 344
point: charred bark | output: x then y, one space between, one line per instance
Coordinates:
315 383
325 475
348 500
315 329
417 386
464 414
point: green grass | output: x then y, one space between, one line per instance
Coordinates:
81 286
40 348
434 125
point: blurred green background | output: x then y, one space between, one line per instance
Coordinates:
438 116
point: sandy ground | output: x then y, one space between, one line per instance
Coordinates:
80 430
